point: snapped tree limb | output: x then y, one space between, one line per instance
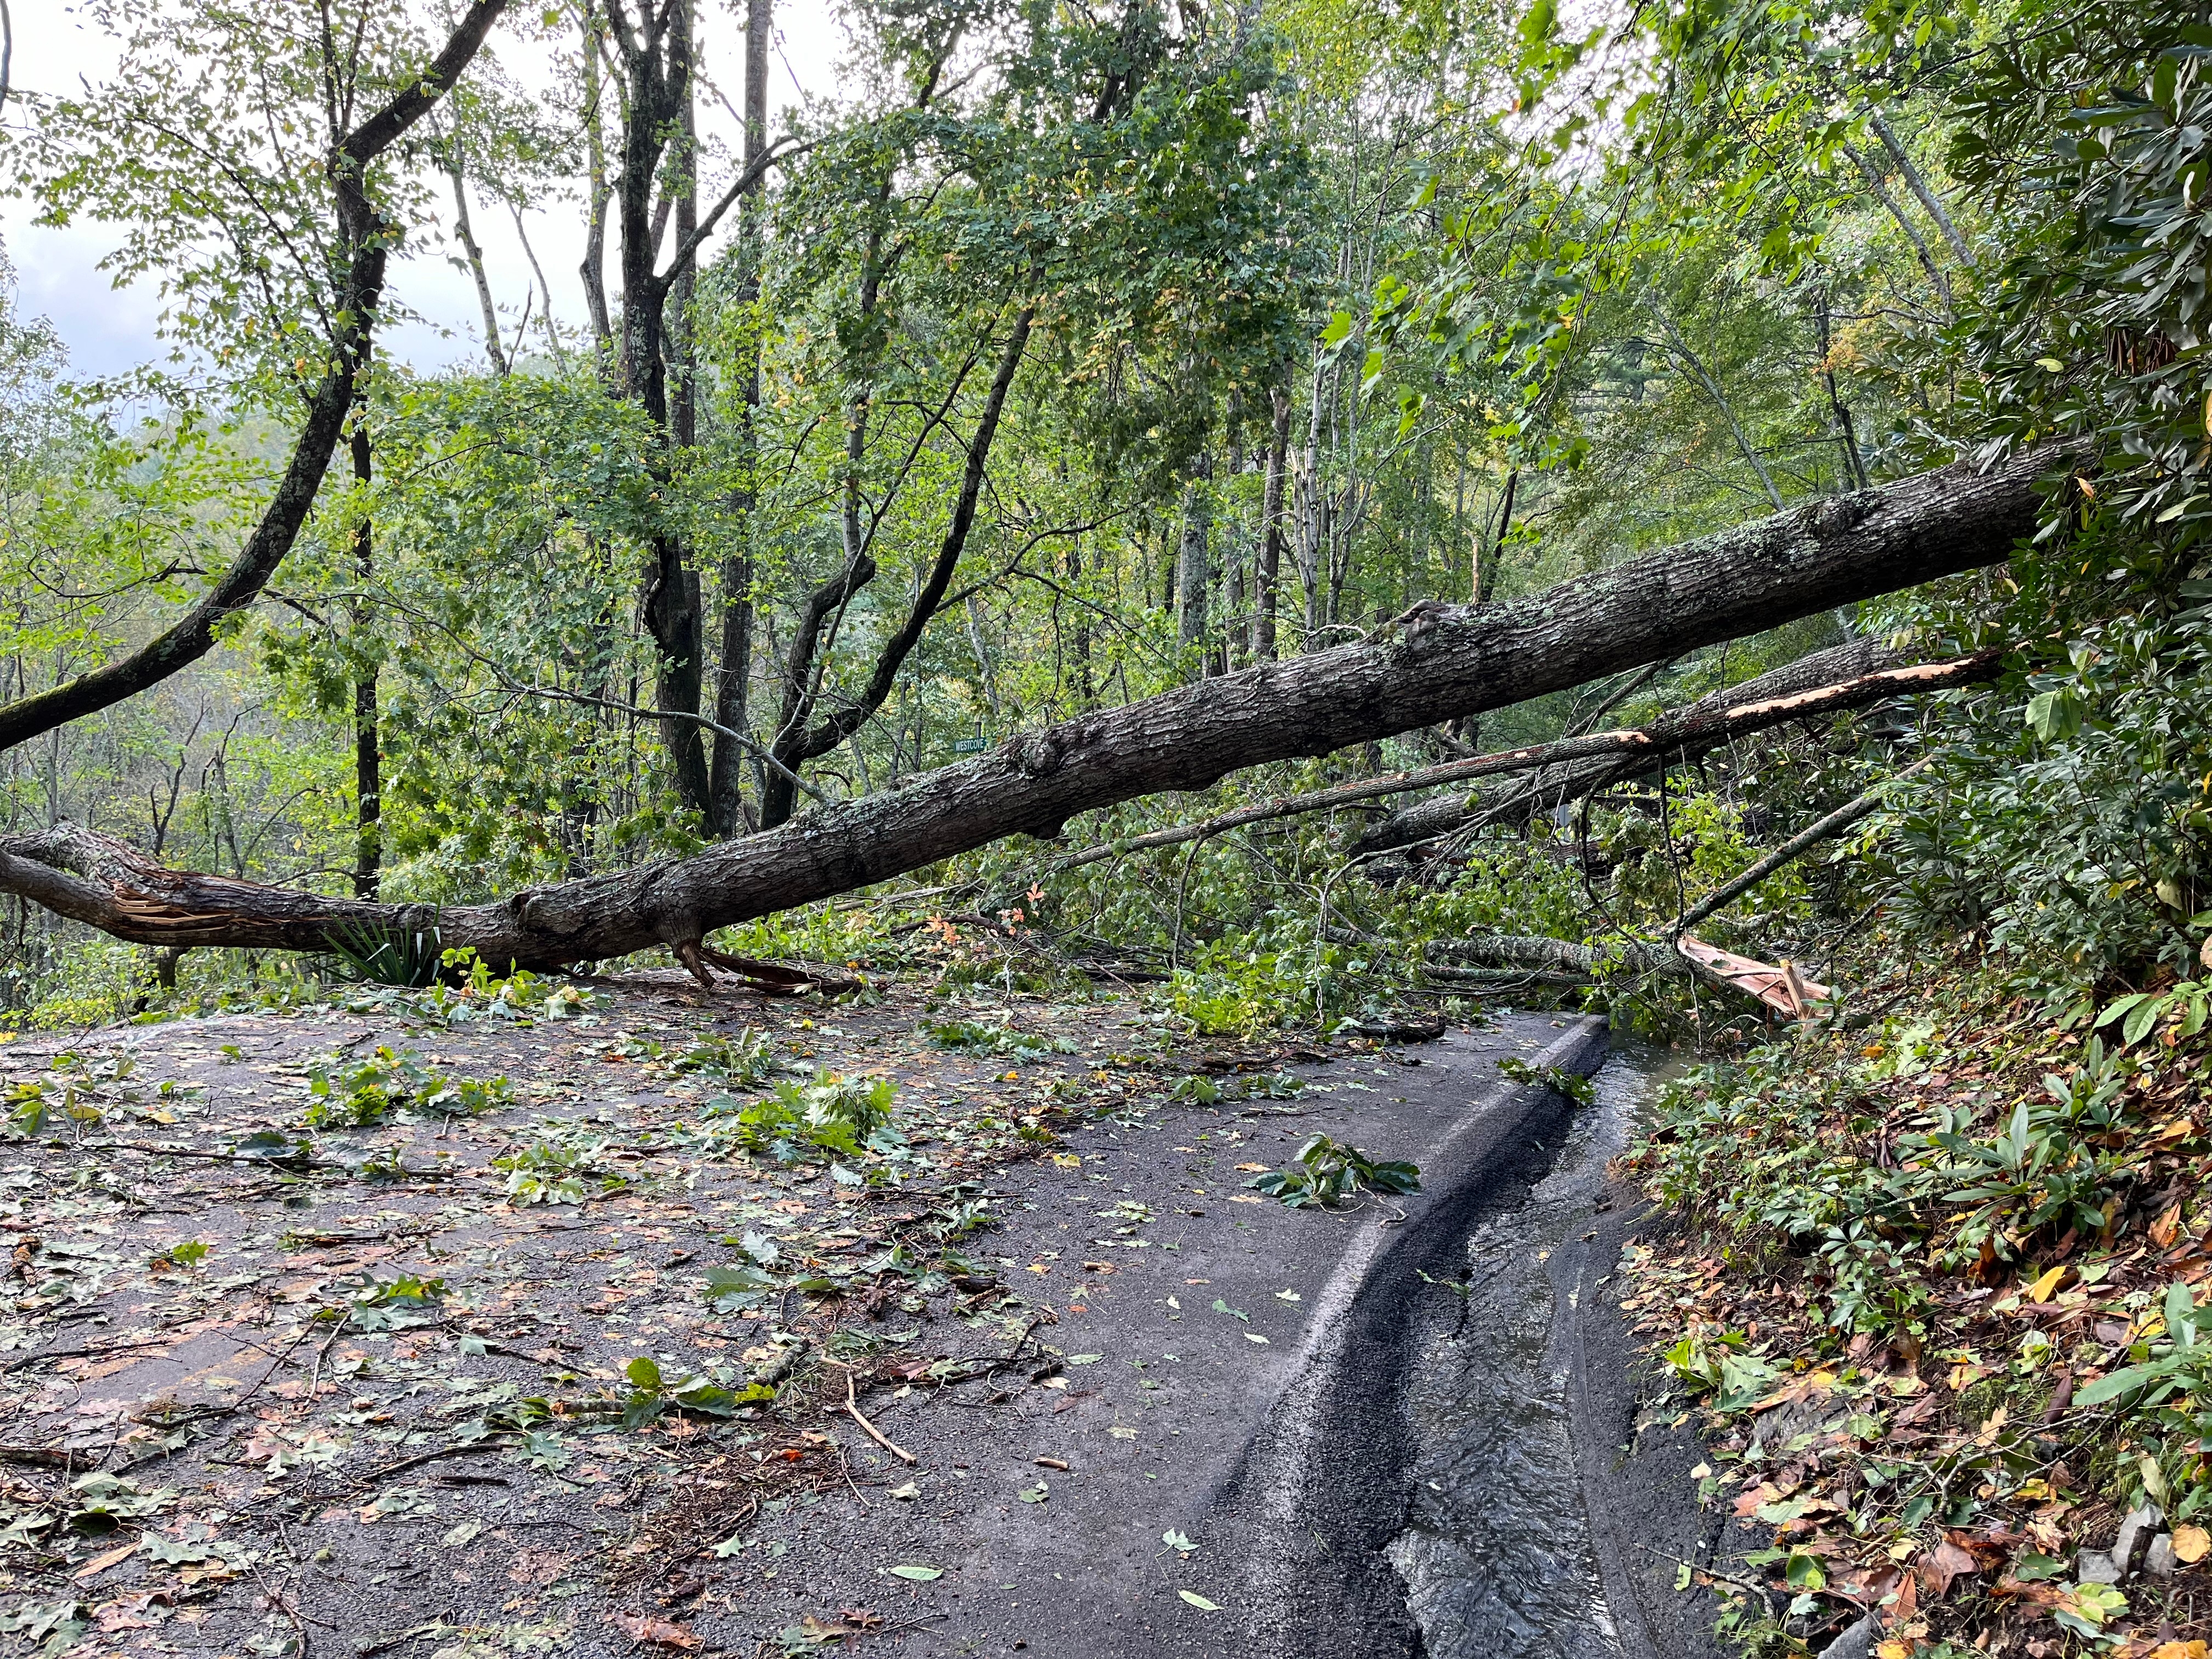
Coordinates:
1443 662
1699 724
1856 674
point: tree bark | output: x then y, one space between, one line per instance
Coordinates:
597 193
734 671
457 170
1918 185
368 738
1193 557
1921 251
1662 741
1444 662
1269 579
366 236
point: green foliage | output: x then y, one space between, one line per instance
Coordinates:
1581 1090
395 1304
411 959
830 1116
559 1170
1001 1039
740 1060
654 1392
1717 1364
1325 1173
360 1094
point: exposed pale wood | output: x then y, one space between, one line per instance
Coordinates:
1781 987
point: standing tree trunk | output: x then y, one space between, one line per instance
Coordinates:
1193 557
1847 439
733 675
1269 579
456 169
598 192
1918 185
1698 372
656 60
1921 250
367 748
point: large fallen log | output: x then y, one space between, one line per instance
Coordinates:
1434 662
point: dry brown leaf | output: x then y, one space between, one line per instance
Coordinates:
2191 1544
661 1632
107 1559
1941 1564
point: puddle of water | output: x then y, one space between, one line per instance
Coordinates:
1496 1554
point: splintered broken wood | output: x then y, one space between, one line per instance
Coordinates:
1784 987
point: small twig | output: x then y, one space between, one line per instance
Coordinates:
852 1407
21 1360
1760 1591
470 1448
280 1161
54 1457
845 1468
910 1623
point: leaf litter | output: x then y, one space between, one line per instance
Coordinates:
531 1307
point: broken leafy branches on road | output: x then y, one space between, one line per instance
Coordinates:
1327 1173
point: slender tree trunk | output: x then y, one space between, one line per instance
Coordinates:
1756 577
1485 578
1846 437
1690 360
598 192
1235 625
544 288
367 738
658 76
1921 250
1468 727
1269 579
677 348
733 677
1192 556
465 235
1917 184
1080 635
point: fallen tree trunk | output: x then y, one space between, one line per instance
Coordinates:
1856 674
1434 662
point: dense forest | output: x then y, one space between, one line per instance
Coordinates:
1333 519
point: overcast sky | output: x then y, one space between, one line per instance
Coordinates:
109 330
